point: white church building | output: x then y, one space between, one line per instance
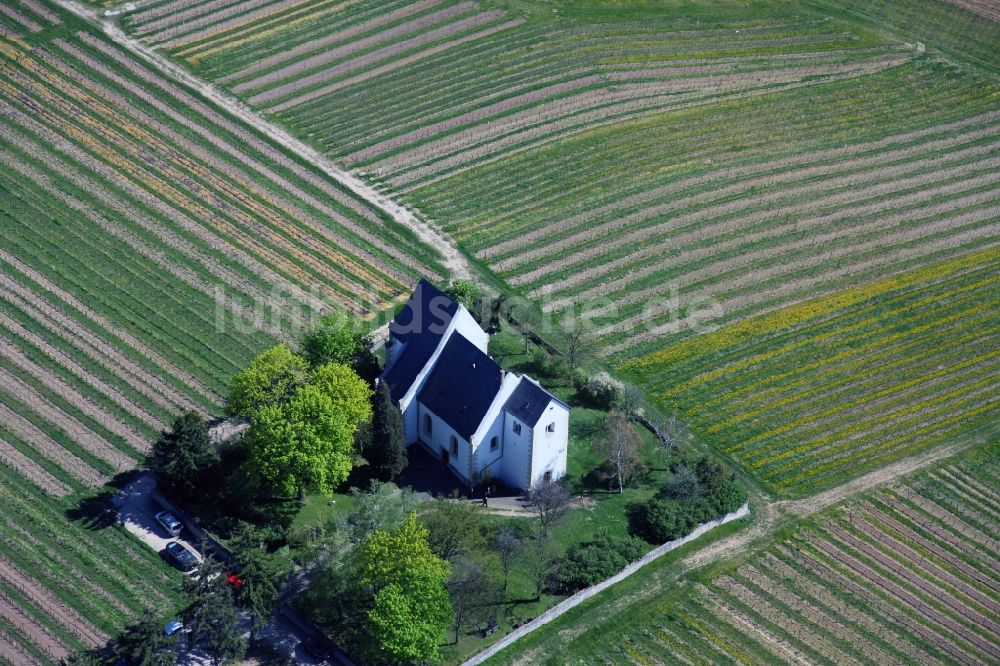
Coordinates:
461 406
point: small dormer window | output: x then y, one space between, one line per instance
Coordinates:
428 425
551 427
454 445
494 443
517 428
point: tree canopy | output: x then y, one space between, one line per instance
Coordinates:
183 454
463 292
272 377
211 616
350 394
385 448
337 341
410 610
141 644
308 441
550 502
382 506
453 527
619 448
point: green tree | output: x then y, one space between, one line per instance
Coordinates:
684 485
550 501
453 527
303 443
258 587
540 554
619 448
508 544
257 590
270 378
144 644
474 595
308 441
463 292
590 562
728 496
410 610
183 455
711 474
386 448
382 507
661 520
87 658
211 616
337 341
350 394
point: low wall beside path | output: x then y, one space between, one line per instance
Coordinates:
589 592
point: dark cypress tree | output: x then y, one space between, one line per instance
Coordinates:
183 456
386 451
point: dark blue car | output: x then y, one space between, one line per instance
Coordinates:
181 556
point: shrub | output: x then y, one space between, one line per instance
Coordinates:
660 520
465 293
602 390
684 485
689 498
591 562
711 474
728 497
547 366
340 341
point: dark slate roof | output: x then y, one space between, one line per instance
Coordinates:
420 325
428 311
462 385
528 402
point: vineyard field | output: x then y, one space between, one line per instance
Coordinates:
779 220
906 575
899 575
642 167
834 387
654 133
150 246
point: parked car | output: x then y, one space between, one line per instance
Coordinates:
173 627
181 556
169 522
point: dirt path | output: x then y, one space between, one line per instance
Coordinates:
453 260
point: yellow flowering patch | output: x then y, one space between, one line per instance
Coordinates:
814 444
939 427
716 639
727 396
802 312
840 407
863 364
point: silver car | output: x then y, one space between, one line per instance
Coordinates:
169 522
